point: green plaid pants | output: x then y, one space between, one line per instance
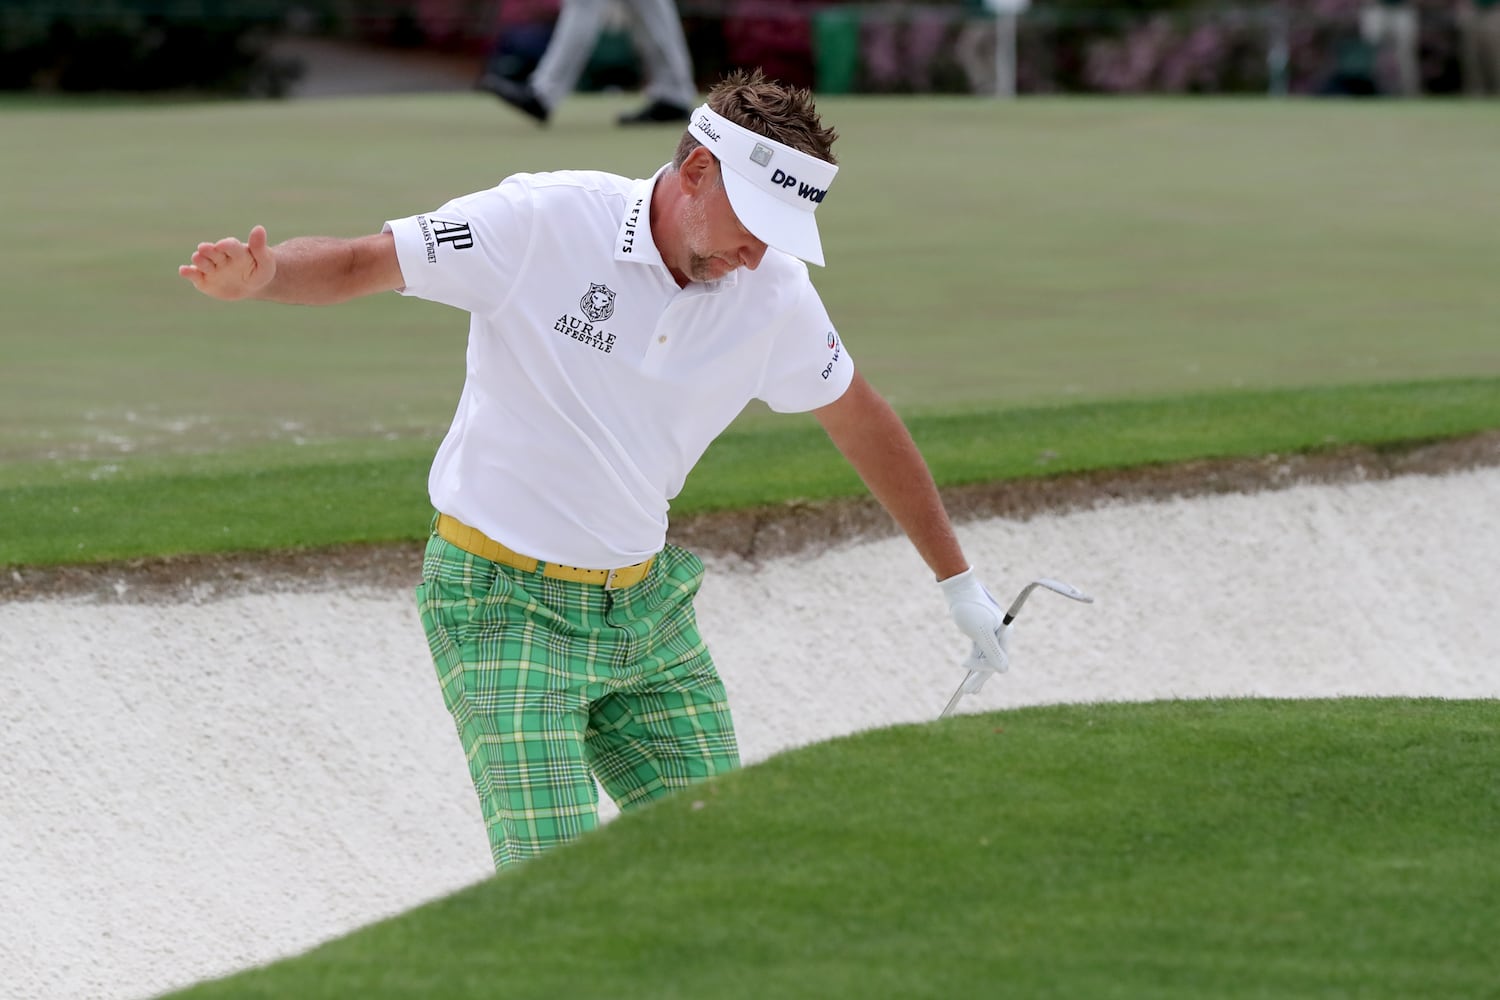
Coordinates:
551 683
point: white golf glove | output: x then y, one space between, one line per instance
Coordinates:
982 620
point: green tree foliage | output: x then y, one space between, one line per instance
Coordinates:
140 46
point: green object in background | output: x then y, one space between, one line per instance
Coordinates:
612 64
1353 56
836 50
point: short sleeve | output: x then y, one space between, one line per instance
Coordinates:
809 366
467 253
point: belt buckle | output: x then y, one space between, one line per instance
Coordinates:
609 579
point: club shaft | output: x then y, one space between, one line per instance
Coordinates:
957 696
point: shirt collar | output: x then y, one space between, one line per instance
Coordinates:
634 241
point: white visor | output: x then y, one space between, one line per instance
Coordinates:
773 188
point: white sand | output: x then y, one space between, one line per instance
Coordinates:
194 788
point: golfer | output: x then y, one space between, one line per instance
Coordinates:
616 327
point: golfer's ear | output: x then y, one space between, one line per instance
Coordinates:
697 169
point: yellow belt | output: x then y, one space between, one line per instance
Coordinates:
475 542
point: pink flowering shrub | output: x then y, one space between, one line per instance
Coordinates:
1178 54
1203 48
906 54
775 35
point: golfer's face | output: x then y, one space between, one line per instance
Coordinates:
717 242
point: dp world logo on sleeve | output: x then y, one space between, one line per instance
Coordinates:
833 345
599 303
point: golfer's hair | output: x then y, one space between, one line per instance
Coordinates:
775 110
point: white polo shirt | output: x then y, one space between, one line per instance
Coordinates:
594 383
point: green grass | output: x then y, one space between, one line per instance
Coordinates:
1225 849
983 254
1039 286
327 495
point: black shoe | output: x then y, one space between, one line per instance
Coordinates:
518 95
657 113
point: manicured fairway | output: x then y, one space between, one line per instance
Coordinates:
982 255
994 266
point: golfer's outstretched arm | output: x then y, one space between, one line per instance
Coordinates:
877 444
309 270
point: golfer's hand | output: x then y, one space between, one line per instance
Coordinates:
230 269
981 619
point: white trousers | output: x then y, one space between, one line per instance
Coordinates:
1480 32
1380 24
658 38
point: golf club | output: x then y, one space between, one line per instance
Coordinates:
976 678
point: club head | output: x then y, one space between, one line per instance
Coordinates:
1065 589
1056 586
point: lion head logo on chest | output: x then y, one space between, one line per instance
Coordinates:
599 304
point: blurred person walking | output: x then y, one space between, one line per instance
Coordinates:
1394 23
1479 30
616 327
659 40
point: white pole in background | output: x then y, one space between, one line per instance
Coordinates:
1278 51
1006 12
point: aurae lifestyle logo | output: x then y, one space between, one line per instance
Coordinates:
598 304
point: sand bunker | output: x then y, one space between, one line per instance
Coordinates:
198 785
